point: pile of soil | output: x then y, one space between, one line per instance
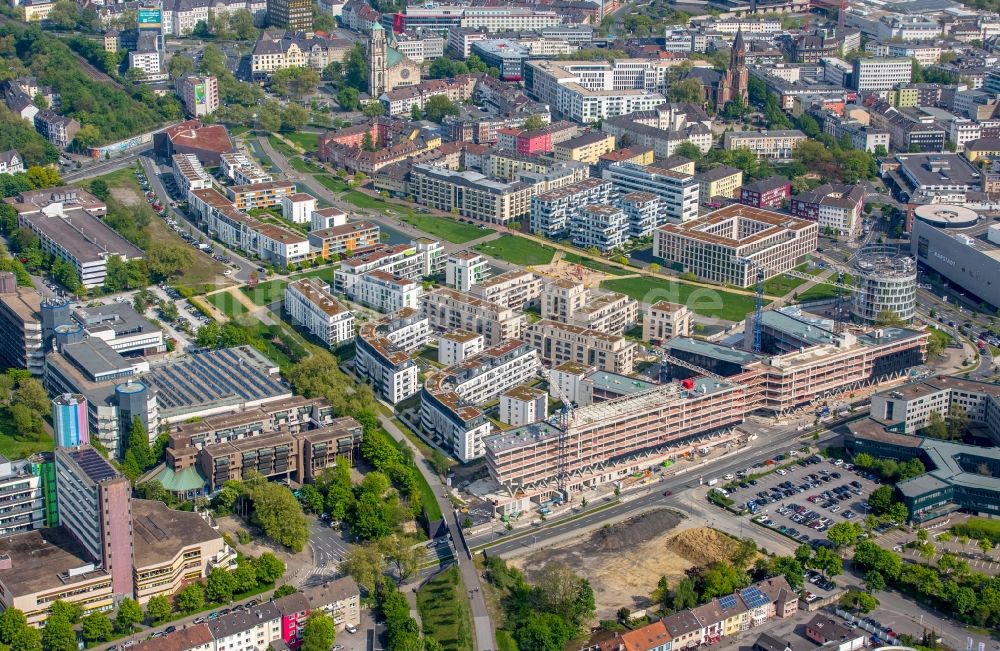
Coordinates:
629 534
702 545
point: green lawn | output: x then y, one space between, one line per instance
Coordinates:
362 200
595 265
505 641
266 292
445 228
228 304
823 292
323 273
283 148
19 446
301 165
444 611
308 141
517 250
332 183
781 285
701 300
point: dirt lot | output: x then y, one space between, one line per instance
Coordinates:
126 195
623 562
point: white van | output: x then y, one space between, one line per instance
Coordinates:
713 481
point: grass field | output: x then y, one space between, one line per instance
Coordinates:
19 447
266 292
308 141
323 273
781 285
332 183
595 265
517 250
282 147
444 611
702 300
362 200
505 641
822 292
445 228
301 165
227 304
940 338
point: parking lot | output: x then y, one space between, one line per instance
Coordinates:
802 501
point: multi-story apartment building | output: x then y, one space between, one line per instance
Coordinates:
878 74
295 50
449 401
766 193
522 405
422 257
241 169
311 306
776 145
601 227
465 269
57 129
722 181
281 246
587 148
731 244
383 353
343 239
837 207
11 162
552 211
259 195
441 18
386 292
21 330
557 343
22 503
456 346
200 95
516 289
189 173
665 320
402 100
642 210
678 192
450 310
663 129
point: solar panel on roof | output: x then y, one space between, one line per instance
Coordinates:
728 602
754 598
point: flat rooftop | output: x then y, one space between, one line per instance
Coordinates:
160 532
96 358
939 169
42 560
737 225
616 383
95 466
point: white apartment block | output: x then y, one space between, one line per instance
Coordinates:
873 74
23 505
456 346
642 210
777 145
557 343
180 18
385 292
298 208
664 320
422 257
189 173
678 192
926 54
465 269
417 48
241 169
383 351
450 399
281 246
572 303
523 405
150 62
600 227
908 28
716 246
962 130
451 310
311 306
516 289
551 211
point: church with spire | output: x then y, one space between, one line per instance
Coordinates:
723 87
388 69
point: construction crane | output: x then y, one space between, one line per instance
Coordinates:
563 422
676 361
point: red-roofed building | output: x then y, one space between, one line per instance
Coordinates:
207 142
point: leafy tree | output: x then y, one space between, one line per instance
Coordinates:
368 142
403 555
58 635
438 107
365 564
220 585
311 498
790 568
844 534
827 562
869 556
97 628
688 149
958 422
12 621
936 427
860 602
688 91
241 23
720 579
294 117
889 318
985 545
190 598
544 632
178 66
533 123
69 611
685 596
373 109
356 69
284 591
319 632
244 576
279 514
129 614
661 595
874 581
348 98
158 609
213 61
881 499
295 83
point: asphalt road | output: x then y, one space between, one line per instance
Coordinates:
104 167
779 441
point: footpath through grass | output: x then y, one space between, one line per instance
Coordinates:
517 250
706 301
444 611
782 284
227 304
589 263
267 292
323 273
824 292
443 228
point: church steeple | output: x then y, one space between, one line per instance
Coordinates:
739 54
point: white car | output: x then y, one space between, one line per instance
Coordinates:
729 476
227 272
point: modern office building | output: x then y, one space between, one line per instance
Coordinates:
505 55
885 280
560 342
386 292
69 420
66 222
450 399
309 304
95 507
383 353
878 74
678 192
124 330
447 309
294 15
465 269
732 243
964 251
